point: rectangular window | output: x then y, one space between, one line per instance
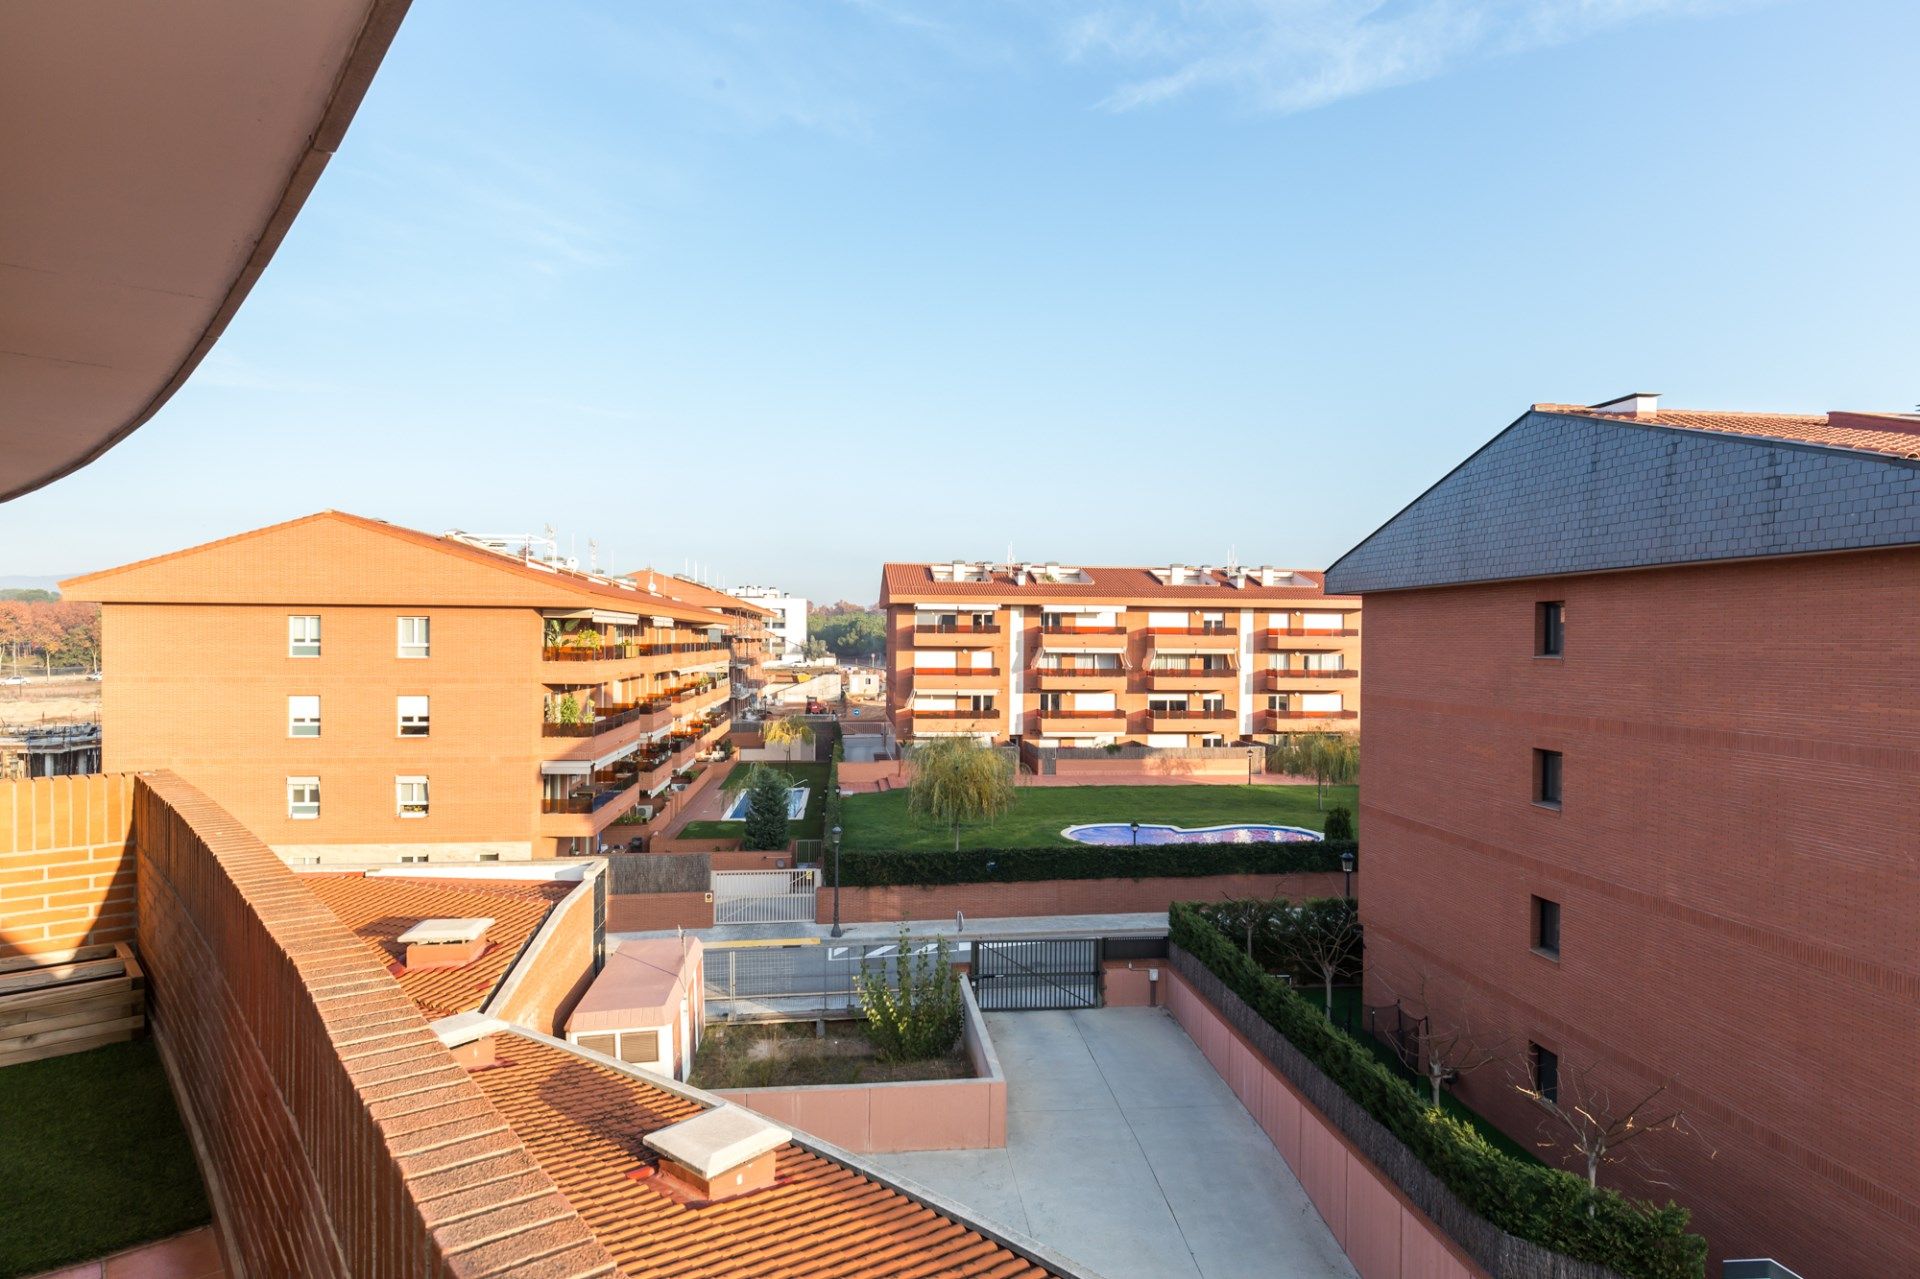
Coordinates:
598 1043
1545 1066
489 857
1546 778
303 797
413 716
410 796
410 858
414 637
1550 628
1546 926
303 717
640 1046
303 635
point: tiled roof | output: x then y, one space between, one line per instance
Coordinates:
694 594
904 583
1895 434
379 908
583 1122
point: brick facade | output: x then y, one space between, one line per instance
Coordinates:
66 866
1732 857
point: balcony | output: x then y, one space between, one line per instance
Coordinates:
1280 639
1282 679
1082 639
1174 679
1187 639
958 635
1192 720
588 651
649 715
934 722
1057 723
968 677
1298 721
1091 678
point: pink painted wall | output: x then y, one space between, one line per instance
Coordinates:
1384 1235
1124 982
875 1119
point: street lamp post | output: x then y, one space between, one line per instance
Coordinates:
1136 834
1250 756
837 930
1346 864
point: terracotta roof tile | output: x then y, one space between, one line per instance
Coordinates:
1895 434
584 1122
904 583
694 594
380 908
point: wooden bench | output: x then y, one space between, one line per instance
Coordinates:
51 1005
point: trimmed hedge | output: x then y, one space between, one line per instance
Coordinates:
1547 1206
1159 861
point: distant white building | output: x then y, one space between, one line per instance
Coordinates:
788 627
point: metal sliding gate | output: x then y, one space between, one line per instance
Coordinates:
764 896
1012 976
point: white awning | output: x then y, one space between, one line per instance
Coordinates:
581 767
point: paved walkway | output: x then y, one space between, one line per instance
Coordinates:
1126 1153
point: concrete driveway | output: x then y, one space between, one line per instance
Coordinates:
1125 1152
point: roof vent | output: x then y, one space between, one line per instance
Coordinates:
720 1153
445 943
1639 404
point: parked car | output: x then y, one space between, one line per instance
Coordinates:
95 676
15 679
814 706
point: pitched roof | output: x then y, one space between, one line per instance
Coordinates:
583 1121
1895 434
904 583
538 587
1569 489
378 908
695 594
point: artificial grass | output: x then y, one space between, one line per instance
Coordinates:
806 826
879 822
93 1159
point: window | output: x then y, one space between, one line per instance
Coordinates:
1546 778
1546 927
489 857
303 717
414 636
303 797
1545 1066
1550 628
410 858
303 635
413 716
640 1046
597 1043
410 796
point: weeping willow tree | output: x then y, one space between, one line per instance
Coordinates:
957 781
1330 759
789 731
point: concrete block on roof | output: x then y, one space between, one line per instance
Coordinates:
716 1140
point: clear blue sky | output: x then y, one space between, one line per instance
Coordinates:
791 289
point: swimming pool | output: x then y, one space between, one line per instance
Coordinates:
1122 834
796 806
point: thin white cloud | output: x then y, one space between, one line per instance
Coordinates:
231 372
1293 55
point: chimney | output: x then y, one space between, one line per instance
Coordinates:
718 1154
445 943
1638 404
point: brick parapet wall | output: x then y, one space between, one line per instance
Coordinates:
556 967
1062 896
66 866
338 1136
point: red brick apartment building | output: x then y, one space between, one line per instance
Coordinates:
356 692
1171 657
1643 801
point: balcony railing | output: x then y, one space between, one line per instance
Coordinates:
611 651
1312 672
1194 672
1210 629
1279 632
1083 630
605 720
1195 713
1070 712
957 628
992 672
990 712
1273 714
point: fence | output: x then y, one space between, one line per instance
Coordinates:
1021 976
764 896
659 872
773 983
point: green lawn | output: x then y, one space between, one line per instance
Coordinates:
92 1159
1040 813
812 776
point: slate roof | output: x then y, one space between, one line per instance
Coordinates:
1567 489
583 1121
905 583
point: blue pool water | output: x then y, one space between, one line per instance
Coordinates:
796 806
1121 834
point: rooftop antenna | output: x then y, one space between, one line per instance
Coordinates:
593 556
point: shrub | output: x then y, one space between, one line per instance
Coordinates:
1548 1206
922 1014
1340 822
1010 865
768 791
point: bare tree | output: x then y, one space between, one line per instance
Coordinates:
1586 1117
1444 1045
1321 937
